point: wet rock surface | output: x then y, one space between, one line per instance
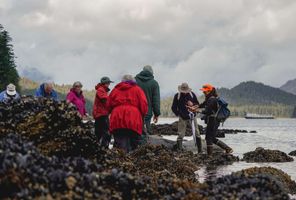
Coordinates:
283 179
54 127
239 186
172 129
292 153
266 155
25 173
47 152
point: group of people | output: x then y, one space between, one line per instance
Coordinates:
186 106
126 112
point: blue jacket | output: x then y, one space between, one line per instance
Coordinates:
4 97
40 92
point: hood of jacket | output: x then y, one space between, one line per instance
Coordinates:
145 76
125 85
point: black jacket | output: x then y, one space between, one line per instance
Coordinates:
210 105
179 105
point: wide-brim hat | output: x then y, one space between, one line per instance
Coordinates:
184 88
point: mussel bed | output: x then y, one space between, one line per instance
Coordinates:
266 155
47 152
26 173
292 153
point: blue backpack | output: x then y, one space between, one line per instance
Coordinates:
223 112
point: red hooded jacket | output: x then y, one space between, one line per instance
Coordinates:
128 106
100 105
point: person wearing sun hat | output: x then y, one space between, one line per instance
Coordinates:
10 94
101 112
184 100
211 107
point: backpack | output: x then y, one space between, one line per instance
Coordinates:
223 112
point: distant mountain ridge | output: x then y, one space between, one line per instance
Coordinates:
290 87
250 97
250 93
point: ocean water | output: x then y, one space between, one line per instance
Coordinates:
277 134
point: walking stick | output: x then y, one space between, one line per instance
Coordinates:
191 115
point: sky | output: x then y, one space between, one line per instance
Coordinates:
220 42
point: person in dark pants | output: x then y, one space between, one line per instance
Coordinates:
128 106
210 109
145 79
101 113
183 101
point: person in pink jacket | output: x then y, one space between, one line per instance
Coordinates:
75 96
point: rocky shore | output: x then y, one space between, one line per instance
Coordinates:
172 129
47 152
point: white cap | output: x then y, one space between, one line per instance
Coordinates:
10 89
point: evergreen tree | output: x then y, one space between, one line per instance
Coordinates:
8 72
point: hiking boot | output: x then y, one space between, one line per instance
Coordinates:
224 146
210 150
179 144
199 144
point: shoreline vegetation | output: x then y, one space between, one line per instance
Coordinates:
238 110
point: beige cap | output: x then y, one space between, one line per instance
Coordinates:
10 89
184 88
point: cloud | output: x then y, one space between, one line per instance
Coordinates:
222 42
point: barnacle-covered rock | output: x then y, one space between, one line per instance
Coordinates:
265 155
281 177
292 153
55 127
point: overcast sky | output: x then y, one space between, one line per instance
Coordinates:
223 42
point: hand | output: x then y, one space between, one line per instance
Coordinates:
189 103
155 119
193 109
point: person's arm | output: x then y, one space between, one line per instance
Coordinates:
102 95
156 100
110 101
1 96
175 105
38 93
142 101
55 95
210 107
70 97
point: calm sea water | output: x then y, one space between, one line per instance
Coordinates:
277 134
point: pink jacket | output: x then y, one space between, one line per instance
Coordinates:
78 101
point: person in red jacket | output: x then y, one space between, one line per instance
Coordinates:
128 106
101 113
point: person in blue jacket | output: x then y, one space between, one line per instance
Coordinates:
10 94
46 90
